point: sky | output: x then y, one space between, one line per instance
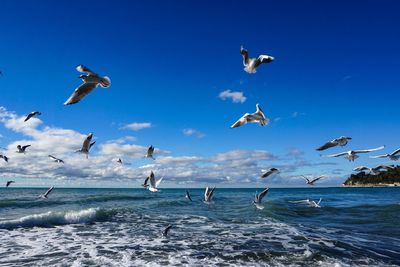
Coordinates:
177 82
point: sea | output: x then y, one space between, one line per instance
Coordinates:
123 227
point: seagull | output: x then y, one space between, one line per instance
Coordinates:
56 159
166 230
21 149
269 172
308 202
208 194
351 155
251 64
375 170
188 196
4 157
119 160
87 145
150 152
32 114
153 183
316 204
311 181
395 155
90 81
256 117
45 195
258 198
341 141
8 183
145 184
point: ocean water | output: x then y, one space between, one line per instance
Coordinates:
122 227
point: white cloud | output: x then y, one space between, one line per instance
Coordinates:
137 126
193 132
236 97
227 168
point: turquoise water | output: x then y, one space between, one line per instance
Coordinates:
122 227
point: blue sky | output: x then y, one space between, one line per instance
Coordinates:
335 73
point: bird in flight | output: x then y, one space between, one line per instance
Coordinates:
90 81
269 172
258 198
351 155
251 64
32 114
208 194
56 159
256 117
45 195
87 145
9 183
4 157
312 180
341 141
22 149
395 155
150 152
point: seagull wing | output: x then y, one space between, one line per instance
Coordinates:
378 157
317 178
53 157
188 195
369 150
360 168
242 121
262 194
30 115
80 92
245 55
86 144
91 144
159 181
25 147
211 193
152 180
268 173
394 153
84 69
263 59
327 145
48 191
335 155
305 178
206 193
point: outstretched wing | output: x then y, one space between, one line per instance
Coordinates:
84 69
262 194
378 157
263 59
242 121
152 180
159 181
245 55
394 153
25 147
317 178
327 145
369 150
335 155
80 92
53 157
305 178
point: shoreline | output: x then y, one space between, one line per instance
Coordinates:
372 185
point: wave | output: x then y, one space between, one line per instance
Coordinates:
51 218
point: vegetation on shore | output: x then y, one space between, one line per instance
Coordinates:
388 177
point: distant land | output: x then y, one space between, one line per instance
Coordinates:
384 178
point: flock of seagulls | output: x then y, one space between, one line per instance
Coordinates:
91 80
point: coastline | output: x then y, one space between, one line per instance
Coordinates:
373 185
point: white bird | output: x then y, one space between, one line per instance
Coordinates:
258 198
351 155
256 117
21 149
90 81
395 155
375 170
269 172
341 141
208 194
32 114
312 180
150 152
45 195
251 64
153 183
56 159
87 145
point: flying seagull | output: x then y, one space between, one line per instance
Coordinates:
351 155
166 230
21 149
395 155
269 172
208 194
341 141
119 160
8 183
32 114
153 183
251 64
45 195
150 152
375 170
256 117
90 81
4 157
316 204
258 198
87 145
188 195
312 180
56 159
